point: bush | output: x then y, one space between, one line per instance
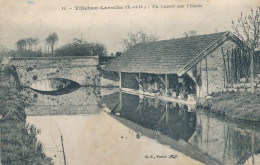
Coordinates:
83 48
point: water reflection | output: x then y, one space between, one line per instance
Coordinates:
101 140
165 117
213 140
81 101
90 135
228 143
55 86
136 127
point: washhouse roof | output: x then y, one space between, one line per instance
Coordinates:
175 56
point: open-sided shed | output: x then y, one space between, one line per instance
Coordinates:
198 60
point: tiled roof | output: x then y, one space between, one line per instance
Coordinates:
162 57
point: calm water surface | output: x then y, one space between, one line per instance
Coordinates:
138 131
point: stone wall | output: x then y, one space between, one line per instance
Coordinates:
82 70
211 69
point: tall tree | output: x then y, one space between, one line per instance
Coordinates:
21 45
133 38
51 40
35 42
30 41
247 28
24 43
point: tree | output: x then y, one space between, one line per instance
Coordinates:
98 49
24 43
190 33
247 29
132 39
21 45
51 40
35 42
29 41
82 48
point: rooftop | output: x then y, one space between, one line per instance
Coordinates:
163 57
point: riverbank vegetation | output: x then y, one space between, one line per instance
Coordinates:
234 105
19 144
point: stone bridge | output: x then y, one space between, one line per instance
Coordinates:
82 70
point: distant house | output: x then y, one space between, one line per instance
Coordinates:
197 60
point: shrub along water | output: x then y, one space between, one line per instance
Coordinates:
19 144
234 105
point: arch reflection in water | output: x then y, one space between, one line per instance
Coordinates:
55 86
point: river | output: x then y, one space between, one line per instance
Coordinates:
137 130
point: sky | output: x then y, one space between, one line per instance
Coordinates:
38 18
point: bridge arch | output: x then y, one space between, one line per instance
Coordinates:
82 70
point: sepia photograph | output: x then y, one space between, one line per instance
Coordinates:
129 82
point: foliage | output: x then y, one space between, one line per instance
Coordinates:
247 28
82 48
241 106
51 40
19 144
23 43
132 39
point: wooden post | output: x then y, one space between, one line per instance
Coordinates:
166 84
177 86
206 59
140 86
167 113
253 146
120 100
120 80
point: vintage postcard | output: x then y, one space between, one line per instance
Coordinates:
130 82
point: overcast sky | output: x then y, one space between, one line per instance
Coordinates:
38 18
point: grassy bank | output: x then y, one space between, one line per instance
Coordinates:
241 106
19 144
